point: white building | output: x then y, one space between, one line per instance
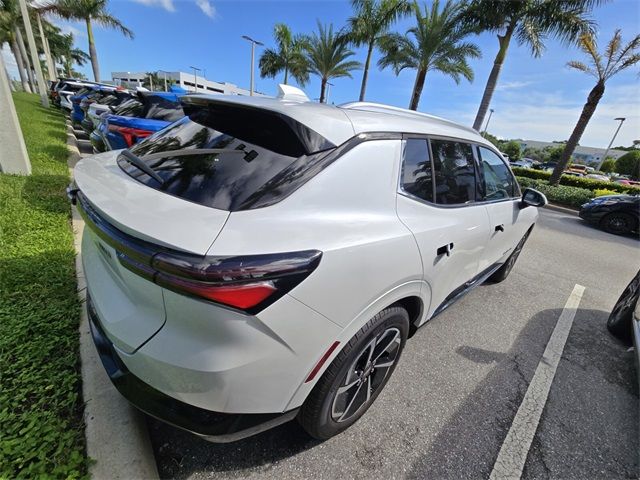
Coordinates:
584 155
181 79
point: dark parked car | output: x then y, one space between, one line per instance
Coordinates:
619 214
624 320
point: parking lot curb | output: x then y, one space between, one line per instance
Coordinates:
558 208
116 433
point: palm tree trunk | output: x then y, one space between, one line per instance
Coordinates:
365 73
25 59
587 112
23 77
286 75
92 51
417 89
47 54
493 77
323 89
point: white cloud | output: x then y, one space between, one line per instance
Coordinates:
513 85
206 7
77 32
10 62
166 4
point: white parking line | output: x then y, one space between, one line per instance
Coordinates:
514 450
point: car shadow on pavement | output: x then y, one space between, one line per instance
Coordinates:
582 438
179 454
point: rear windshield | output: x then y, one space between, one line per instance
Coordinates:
130 108
71 88
160 108
226 180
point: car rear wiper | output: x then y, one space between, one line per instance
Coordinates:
191 151
138 162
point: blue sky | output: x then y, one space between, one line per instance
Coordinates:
536 99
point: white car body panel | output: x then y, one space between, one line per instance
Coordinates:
96 111
127 204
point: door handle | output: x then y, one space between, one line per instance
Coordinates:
445 250
499 228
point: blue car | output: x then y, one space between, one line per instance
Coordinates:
136 119
77 113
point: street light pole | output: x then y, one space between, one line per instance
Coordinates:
195 78
486 127
326 98
253 50
604 157
44 99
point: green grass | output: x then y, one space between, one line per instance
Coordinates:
41 428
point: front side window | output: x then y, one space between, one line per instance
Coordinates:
454 172
498 181
416 177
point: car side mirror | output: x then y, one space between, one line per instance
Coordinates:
533 198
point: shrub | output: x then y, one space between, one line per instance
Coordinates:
609 165
601 192
512 149
629 164
563 195
581 182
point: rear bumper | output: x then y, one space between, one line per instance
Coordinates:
213 426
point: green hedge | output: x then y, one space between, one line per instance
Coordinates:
572 181
563 195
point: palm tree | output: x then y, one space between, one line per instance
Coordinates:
370 23
288 57
531 22
615 59
435 43
327 53
9 18
89 11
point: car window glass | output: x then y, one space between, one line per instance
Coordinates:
160 108
498 181
130 108
454 172
416 176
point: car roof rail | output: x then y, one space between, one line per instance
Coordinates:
381 108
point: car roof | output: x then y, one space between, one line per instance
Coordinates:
340 123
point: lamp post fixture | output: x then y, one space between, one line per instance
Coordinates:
486 126
195 78
604 157
253 50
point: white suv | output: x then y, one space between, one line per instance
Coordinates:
267 258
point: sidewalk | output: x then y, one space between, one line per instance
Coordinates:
116 433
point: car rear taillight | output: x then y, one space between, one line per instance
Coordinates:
248 283
130 135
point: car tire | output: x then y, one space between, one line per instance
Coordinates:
619 223
503 272
619 321
340 397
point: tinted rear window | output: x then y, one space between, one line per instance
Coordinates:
224 181
130 108
160 108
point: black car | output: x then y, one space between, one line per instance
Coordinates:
619 214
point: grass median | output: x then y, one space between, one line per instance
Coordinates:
41 427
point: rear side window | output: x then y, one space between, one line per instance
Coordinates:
225 180
416 177
454 172
497 178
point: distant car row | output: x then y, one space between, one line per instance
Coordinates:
114 117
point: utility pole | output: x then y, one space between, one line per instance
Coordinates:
44 99
604 157
253 52
13 154
195 78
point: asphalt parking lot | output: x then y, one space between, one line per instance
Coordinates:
450 404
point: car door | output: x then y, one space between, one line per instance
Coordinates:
436 201
501 196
